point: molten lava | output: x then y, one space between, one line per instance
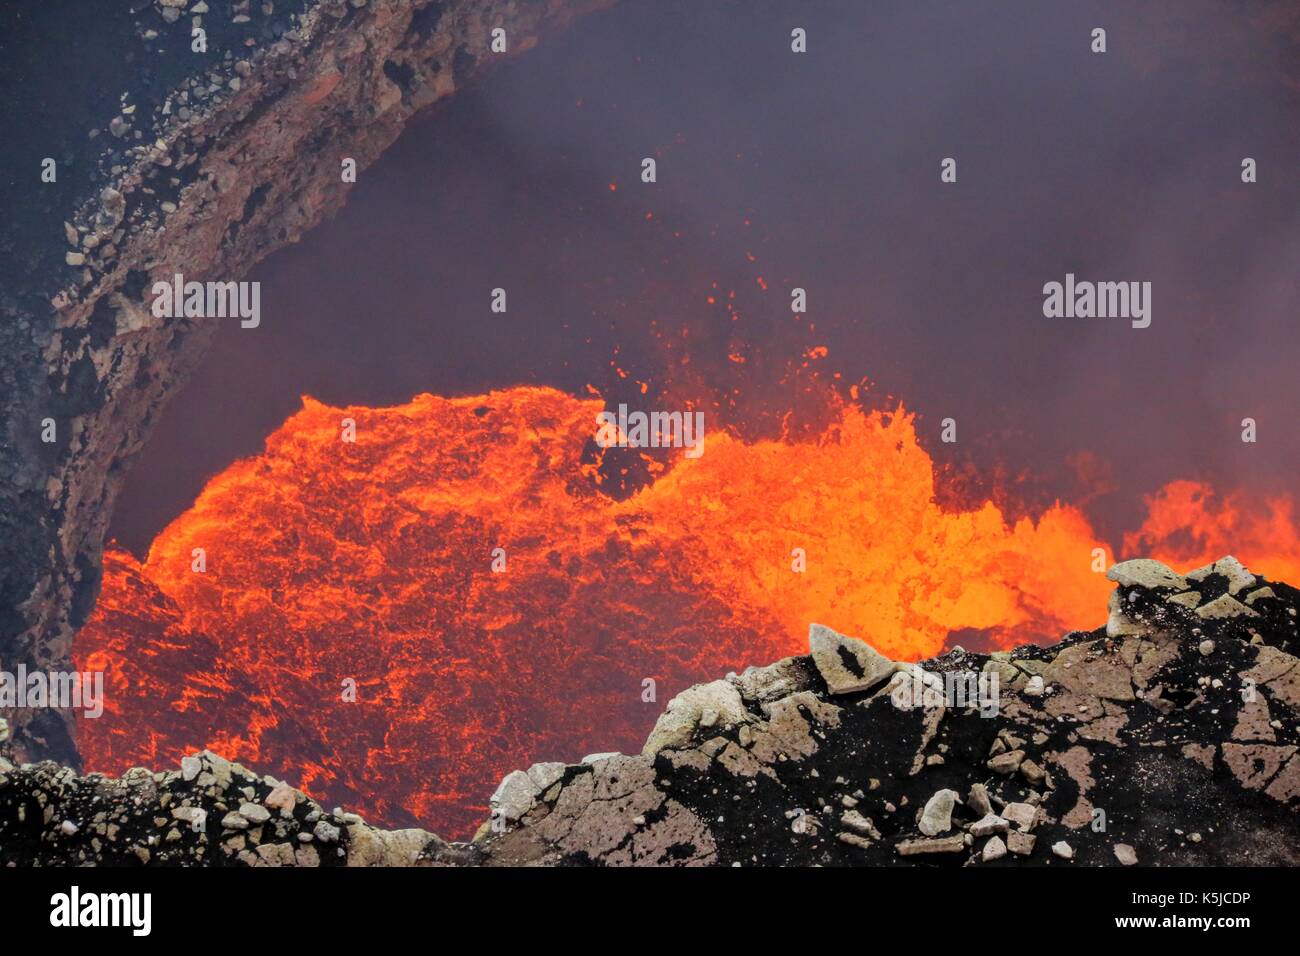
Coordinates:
356 630
1188 525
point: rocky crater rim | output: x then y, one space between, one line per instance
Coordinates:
1168 736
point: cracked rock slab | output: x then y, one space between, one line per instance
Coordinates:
1146 573
847 664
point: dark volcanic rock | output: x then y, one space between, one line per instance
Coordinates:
168 160
1168 737
210 813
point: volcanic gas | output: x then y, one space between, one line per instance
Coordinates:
394 622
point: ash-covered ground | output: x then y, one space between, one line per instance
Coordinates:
1166 737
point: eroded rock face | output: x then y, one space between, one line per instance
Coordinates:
205 169
1138 748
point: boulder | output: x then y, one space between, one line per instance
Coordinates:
678 723
847 664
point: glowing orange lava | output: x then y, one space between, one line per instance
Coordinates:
1189 525
370 564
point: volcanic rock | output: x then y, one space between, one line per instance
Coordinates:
282 797
1259 595
1224 606
953 844
1021 844
325 831
1238 578
760 685
515 795
1147 574
1125 854
937 816
701 706
854 839
988 825
543 775
1006 763
847 664
857 822
254 813
1021 814
995 849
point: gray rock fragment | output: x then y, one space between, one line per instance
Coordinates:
514 795
254 813
995 849
1260 595
988 825
1019 843
676 726
1223 607
952 844
762 685
1145 573
544 775
936 818
847 664
1023 815
325 831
